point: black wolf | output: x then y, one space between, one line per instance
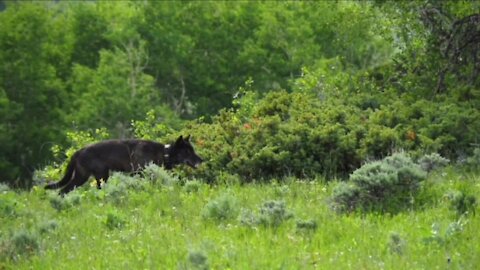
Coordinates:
124 156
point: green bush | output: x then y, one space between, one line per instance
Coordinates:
396 244
60 203
273 214
114 221
270 214
307 225
8 207
158 175
224 207
298 134
48 226
116 193
192 186
474 160
386 185
21 243
432 161
197 260
462 203
4 188
319 128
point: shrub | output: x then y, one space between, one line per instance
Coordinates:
21 243
248 218
192 186
474 160
222 208
396 244
58 203
114 221
8 207
297 134
462 203
385 185
273 213
197 260
158 175
4 188
432 161
309 225
345 198
129 182
64 203
116 193
48 226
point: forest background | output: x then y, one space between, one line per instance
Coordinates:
266 89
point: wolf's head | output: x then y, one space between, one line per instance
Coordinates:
182 152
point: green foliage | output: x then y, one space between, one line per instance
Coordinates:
192 186
474 160
271 214
21 243
8 206
367 78
197 260
4 188
309 225
158 175
60 203
396 244
222 208
116 92
386 185
114 221
432 161
462 203
47 226
169 222
32 90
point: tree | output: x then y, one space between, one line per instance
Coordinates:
31 94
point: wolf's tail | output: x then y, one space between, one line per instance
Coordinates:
68 174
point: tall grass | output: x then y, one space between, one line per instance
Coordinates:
156 227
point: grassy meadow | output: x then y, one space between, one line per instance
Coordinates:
161 223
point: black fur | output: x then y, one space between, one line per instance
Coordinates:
124 156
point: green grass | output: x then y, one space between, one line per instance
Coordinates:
164 226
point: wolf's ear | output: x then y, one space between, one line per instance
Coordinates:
188 138
179 140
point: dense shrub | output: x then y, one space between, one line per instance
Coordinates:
396 244
114 221
306 225
270 214
64 203
192 186
386 185
197 260
432 161
158 175
222 208
474 160
462 203
47 226
302 135
21 243
4 188
8 206
317 129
